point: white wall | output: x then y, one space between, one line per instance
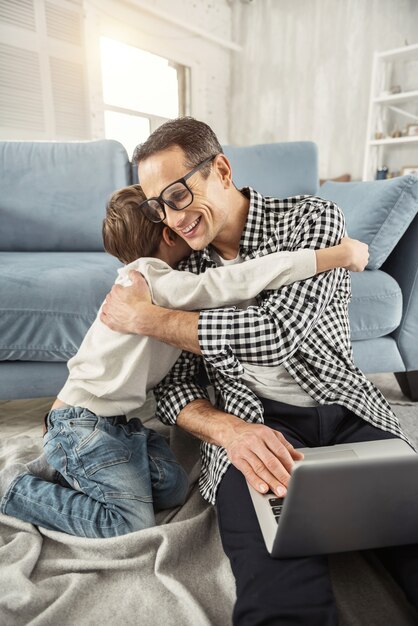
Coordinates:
305 72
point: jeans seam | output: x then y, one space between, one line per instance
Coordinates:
5 499
86 519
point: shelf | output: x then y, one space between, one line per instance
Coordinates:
376 150
398 53
390 141
397 98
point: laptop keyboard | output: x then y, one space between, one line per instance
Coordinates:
276 505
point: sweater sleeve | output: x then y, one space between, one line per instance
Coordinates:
227 285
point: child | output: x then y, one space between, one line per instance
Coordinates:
102 473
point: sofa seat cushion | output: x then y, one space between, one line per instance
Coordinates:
375 309
49 300
377 212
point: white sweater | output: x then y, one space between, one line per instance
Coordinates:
112 372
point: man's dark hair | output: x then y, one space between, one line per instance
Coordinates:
195 138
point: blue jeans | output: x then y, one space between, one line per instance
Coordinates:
111 473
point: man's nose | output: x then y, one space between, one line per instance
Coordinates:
175 219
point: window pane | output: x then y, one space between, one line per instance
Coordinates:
130 130
138 80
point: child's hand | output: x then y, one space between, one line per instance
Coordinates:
125 305
356 254
141 286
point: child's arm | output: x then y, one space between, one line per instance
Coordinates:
228 285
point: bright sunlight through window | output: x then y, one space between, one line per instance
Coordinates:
140 91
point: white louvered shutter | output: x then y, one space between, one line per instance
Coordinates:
43 88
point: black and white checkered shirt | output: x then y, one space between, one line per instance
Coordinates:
303 327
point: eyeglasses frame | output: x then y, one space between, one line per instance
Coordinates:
182 180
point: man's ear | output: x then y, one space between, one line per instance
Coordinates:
168 236
223 167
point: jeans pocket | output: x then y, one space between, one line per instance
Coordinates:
56 454
100 449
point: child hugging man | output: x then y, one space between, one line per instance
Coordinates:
102 473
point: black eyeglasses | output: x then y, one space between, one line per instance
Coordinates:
177 196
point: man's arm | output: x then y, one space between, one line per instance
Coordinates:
215 287
262 454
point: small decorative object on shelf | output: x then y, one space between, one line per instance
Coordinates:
392 91
395 89
382 173
379 135
410 169
412 130
396 133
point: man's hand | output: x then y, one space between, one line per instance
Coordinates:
263 455
125 306
355 254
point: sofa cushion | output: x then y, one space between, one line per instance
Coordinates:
49 300
53 195
377 212
375 309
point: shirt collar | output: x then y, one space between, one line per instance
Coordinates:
253 234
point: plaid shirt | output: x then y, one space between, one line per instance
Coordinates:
303 326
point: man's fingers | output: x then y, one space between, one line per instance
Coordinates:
294 452
251 477
269 471
278 452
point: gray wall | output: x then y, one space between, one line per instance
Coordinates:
305 71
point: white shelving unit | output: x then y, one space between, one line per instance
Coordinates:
381 103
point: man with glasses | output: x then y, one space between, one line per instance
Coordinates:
281 365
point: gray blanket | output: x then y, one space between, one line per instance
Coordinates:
173 574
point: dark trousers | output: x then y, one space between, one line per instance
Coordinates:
295 591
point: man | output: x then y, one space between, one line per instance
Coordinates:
281 367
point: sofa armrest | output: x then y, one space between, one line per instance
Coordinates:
402 264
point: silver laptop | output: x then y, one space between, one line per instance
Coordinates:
344 497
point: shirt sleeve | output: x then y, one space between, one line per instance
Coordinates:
224 286
179 388
271 332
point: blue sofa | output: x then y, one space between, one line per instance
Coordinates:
54 273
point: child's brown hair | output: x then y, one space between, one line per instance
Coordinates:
127 233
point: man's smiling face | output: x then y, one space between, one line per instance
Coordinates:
205 218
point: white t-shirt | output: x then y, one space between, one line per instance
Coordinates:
112 372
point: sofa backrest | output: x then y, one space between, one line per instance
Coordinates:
53 195
280 170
